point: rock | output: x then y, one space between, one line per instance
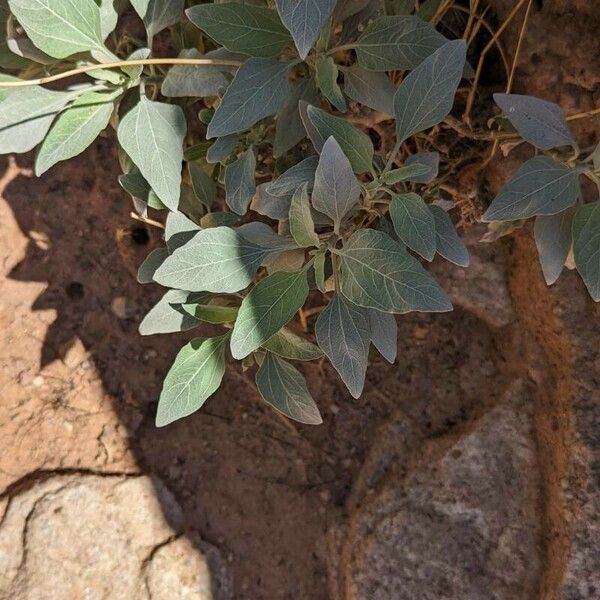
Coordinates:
99 537
456 518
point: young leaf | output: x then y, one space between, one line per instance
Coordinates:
430 160
336 191
61 28
448 243
287 344
195 375
158 14
75 129
219 219
378 273
211 313
135 185
283 387
586 246
109 17
147 269
258 90
414 223
271 303
404 173
304 20
302 226
542 186
327 74
244 28
372 89
26 116
539 122
222 148
164 316
152 135
240 185
214 260
398 42
384 334
426 95
319 268
553 238
269 205
343 334
204 187
262 235
287 183
355 144
179 230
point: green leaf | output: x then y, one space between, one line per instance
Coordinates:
542 186
211 313
26 116
165 317
343 334
109 17
378 273
135 185
302 226
222 148
214 260
374 90
553 238
586 246
195 375
397 43
319 267
289 181
283 387
204 187
539 122
269 205
240 185
336 191
448 243
258 90
152 134
75 129
158 14
355 144
262 235
287 344
305 19
414 223
271 303
425 160
242 28
404 173
426 95
193 80
61 28
326 75
179 230
147 269
219 219
384 334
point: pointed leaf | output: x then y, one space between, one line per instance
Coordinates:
269 205
430 160
372 89
135 185
586 246
204 187
384 334
404 173
211 313
303 172
158 14
448 243
287 344
147 269
222 148
554 238
302 226
240 184
414 223
164 316
179 230
326 75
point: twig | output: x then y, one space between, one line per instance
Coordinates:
583 115
518 48
146 220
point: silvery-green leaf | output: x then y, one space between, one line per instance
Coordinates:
404 173
319 269
75 129
586 246
152 134
5 92
195 375
288 260
193 80
164 316
222 148
139 188
214 260
378 273
372 89
219 219
283 387
384 333
326 76
448 242
539 122
426 95
336 191
60 28
289 129
26 116
414 223
240 184
430 160
271 303
244 28
343 333
158 14
302 226
287 344
542 186
355 144
289 181
179 230
135 72
147 269
304 20
397 42
553 238
215 314
262 235
204 187
257 91
109 17
269 205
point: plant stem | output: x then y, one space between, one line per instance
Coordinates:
340 49
390 161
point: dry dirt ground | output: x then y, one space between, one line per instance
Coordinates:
470 469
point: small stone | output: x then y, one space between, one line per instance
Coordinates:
122 308
38 381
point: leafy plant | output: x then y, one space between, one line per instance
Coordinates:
254 143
